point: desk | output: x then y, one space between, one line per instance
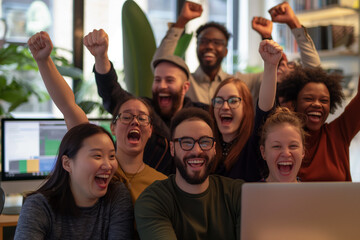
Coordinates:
7 221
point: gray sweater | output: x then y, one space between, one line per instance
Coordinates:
111 220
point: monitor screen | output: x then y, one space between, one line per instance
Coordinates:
30 146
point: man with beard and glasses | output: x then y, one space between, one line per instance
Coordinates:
191 204
212 42
171 82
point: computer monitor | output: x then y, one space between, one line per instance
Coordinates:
30 146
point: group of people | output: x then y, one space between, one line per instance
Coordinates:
180 157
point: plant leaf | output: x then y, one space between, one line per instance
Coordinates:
182 45
139 47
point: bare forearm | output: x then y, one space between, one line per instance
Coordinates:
61 93
268 87
102 64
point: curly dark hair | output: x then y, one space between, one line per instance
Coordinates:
296 80
219 26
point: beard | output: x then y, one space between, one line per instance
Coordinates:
175 101
207 67
196 178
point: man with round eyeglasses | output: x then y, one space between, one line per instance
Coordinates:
191 204
171 82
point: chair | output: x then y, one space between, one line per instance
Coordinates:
2 199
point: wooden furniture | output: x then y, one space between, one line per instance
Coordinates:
7 221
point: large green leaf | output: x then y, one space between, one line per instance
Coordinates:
182 45
139 47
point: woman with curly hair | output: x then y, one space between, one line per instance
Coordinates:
315 93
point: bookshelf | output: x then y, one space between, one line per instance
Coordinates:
334 28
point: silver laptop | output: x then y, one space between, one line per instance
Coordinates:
300 211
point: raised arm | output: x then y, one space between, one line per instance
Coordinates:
189 11
283 13
271 53
263 26
97 42
41 46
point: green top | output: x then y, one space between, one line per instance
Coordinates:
164 211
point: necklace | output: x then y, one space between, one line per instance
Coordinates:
130 176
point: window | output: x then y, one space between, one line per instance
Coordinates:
23 19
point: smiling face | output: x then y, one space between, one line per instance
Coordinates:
192 166
91 169
131 138
283 152
228 119
211 48
169 88
314 101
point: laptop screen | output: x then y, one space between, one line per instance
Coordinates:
30 146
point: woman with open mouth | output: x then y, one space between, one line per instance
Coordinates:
81 199
236 128
131 123
316 93
282 145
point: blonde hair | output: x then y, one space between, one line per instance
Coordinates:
283 115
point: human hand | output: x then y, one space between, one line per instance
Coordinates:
97 42
40 46
263 26
270 51
283 13
189 11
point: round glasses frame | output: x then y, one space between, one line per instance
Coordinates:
187 143
127 118
216 42
233 102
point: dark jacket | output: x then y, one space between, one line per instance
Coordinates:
156 154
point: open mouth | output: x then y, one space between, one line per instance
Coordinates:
134 136
314 116
195 163
208 56
285 168
102 180
226 118
280 71
164 99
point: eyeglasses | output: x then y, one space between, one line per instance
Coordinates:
127 118
216 42
188 143
233 102
291 65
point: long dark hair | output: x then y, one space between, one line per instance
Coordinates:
57 187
